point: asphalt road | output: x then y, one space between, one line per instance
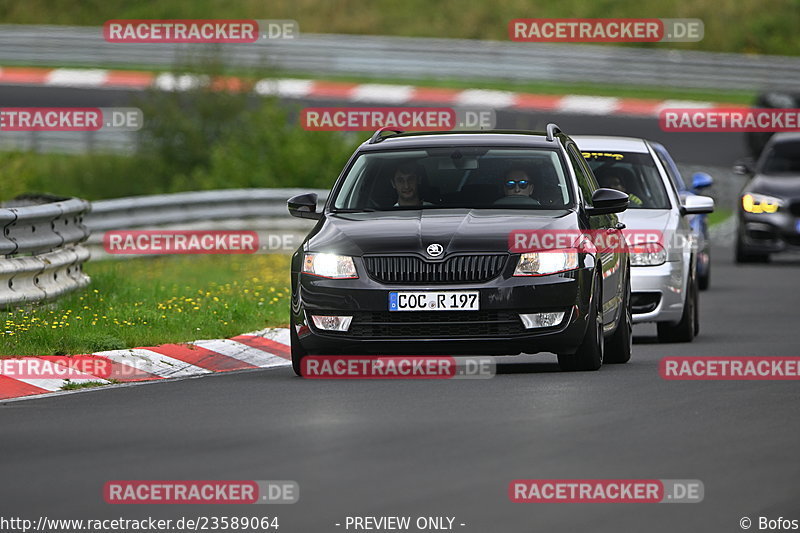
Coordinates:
444 448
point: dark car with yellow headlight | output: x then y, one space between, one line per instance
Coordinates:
769 206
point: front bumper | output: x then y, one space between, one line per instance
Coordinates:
658 292
769 232
494 330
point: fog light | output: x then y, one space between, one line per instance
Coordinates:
541 320
332 323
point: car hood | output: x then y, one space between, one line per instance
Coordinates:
781 186
457 230
646 219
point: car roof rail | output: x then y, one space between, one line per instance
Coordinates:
552 130
378 135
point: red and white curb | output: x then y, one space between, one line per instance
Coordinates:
268 348
362 93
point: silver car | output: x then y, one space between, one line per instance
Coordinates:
664 279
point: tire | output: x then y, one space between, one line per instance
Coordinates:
697 314
685 329
298 353
743 256
589 355
704 280
618 347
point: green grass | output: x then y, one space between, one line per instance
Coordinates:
748 26
71 385
150 301
720 214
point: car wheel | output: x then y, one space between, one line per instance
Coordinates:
589 355
298 353
684 330
618 347
704 279
743 256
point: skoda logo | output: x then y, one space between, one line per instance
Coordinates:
435 250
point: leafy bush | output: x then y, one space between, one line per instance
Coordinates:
191 140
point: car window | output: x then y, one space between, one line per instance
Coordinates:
782 158
585 179
675 177
455 177
631 172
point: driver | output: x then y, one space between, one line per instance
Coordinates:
406 182
614 181
517 188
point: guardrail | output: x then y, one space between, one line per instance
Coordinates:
406 57
187 207
40 254
70 142
260 210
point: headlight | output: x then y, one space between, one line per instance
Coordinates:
330 266
649 254
760 203
549 262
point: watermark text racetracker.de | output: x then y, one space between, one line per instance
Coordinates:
397 367
180 242
606 30
729 119
163 242
198 30
201 492
606 491
633 241
746 368
71 119
403 118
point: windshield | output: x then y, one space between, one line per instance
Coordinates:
783 158
633 173
455 177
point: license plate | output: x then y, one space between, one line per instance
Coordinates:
434 301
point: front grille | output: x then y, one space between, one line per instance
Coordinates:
456 269
430 324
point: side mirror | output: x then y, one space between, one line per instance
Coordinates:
701 180
304 206
744 166
607 201
697 205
